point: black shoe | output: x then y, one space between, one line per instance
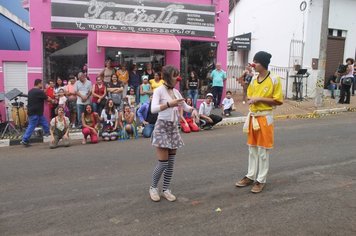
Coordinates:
332 97
25 144
208 127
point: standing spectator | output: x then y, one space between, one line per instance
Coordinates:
193 87
218 76
135 82
353 85
165 136
131 98
245 80
331 84
208 120
189 120
227 103
36 98
62 101
123 76
52 101
107 72
59 85
115 90
83 91
127 123
149 71
145 90
346 82
91 122
72 100
110 120
59 129
264 93
157 81
147 118
99 94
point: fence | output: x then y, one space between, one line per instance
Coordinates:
234 72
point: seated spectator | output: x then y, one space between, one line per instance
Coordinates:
189 120
227 103
131 97
127 123
147 118
90 123
62 101
110 120
332 84
208 120
59 129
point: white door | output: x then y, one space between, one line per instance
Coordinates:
15 76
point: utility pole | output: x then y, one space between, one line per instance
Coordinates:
322 54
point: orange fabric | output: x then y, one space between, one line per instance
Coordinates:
264 137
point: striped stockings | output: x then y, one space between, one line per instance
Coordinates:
165 167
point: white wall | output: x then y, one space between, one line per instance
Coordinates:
343 16
273 24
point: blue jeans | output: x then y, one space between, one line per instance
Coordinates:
193 94
217 93
33 121
332 88
80 110
147 130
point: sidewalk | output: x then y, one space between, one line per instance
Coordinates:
290 109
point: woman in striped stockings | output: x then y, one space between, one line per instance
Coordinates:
165 136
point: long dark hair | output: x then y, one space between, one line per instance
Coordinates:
85 110
168 73
109 109
195 75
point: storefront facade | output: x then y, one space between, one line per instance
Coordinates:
68 35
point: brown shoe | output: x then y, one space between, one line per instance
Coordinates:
257 187
244 182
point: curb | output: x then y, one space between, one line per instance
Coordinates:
225 122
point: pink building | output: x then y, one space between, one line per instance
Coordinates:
67 34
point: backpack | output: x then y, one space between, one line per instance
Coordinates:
347 81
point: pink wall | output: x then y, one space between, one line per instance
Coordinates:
40 21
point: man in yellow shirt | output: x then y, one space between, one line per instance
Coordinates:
264 93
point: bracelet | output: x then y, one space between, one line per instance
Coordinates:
168 104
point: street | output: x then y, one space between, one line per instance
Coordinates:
102 189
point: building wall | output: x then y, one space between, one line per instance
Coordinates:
276 22
40 22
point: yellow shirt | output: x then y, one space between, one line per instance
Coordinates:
155 85
270 87
123 76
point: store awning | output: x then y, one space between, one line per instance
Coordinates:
142 41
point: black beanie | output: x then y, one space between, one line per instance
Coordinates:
264 58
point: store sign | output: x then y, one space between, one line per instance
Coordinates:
138 16
241 42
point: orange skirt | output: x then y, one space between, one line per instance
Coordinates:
264 137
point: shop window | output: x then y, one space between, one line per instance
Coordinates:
140 57
63 56
199 57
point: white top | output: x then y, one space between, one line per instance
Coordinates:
61 125
161 96
62 101
227 102
351 72
113 116
205 109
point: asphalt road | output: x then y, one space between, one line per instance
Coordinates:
103 189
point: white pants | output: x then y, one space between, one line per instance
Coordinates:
258 164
